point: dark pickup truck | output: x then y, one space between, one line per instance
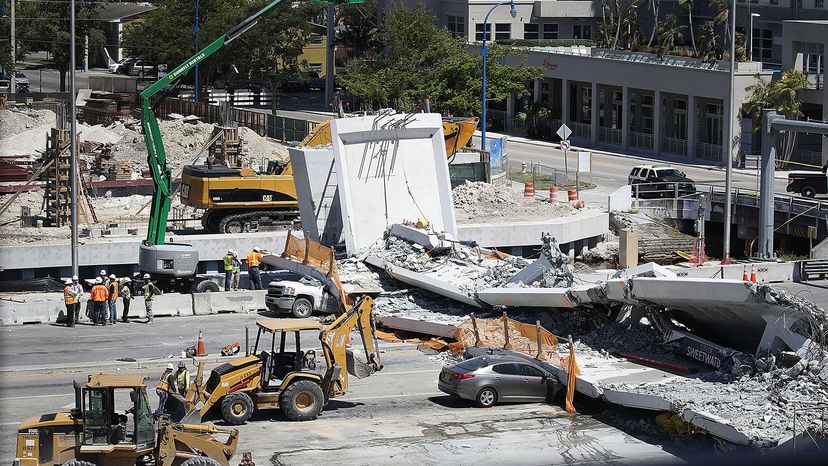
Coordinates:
807 183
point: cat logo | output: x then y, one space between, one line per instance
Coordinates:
267 197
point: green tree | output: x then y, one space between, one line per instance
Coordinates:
721 16
420 59
47 29
709 50
782 94
688 5
669 32
537 118
358 30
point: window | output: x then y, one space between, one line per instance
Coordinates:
767 44
315 67
774 2
635 172
582 31
506 369
316 39
529 371
503 31
545 97
713 124
550 31
647 114
530 31
456 25
478 32
819 3
473 364
680 119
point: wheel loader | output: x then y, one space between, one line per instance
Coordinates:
288 379
112 424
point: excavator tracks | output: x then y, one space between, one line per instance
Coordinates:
217 221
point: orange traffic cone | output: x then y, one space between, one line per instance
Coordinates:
753 274
572 194
529 189
200 349
744 273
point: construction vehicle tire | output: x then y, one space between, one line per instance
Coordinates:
236 408
302 308
78 463
201 461
206 286
302 401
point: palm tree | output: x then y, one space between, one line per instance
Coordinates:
669 32
722 16
537 117
654 4
709 50
688 5
782 95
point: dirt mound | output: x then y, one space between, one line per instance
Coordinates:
478 202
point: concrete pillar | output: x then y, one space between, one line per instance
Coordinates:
657 122
625 115
764 246
594 105
691 126
510 112
628 247
564 101
536 91
824 115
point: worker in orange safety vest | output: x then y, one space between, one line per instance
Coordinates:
100 295
253 274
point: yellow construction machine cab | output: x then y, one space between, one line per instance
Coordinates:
277 365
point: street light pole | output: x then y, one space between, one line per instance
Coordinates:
485 53
750 42
73 150
195 31
730 149
12 79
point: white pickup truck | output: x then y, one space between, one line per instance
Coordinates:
301 296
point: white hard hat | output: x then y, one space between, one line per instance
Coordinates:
113 276
256 249
98 280
229 251
170 366
126 280
103 271
146 275
68 281
74 277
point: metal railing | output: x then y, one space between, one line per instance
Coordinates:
707 151
580 130
674 145
610 135
641 140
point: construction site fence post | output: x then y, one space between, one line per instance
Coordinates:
507 344
246 340
540 355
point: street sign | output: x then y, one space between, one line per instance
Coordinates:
565 145
564 132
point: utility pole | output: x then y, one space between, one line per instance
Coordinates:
728 214
73 150
13 79
195 31
330 61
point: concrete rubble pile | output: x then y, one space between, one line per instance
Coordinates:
479 202
657 241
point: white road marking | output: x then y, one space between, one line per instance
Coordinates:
35 396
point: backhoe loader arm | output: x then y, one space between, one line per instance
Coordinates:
334 340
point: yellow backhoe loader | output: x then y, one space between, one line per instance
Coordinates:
112 425
288 379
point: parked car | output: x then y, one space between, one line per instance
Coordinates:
487 380
298 295
141 68
807 183
659 181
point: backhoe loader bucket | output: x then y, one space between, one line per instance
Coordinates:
176 407
356 367
192 417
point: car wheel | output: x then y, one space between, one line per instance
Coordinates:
808 191
486 398
302 308
236 408
302 401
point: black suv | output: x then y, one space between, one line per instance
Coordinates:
660 181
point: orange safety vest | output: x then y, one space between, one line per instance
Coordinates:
68 295
164 381
113 296
253 259
99 293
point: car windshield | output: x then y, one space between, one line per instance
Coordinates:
473 364
670 172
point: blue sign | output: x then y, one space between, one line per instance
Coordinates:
497 151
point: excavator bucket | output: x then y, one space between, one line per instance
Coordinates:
192 417
356 367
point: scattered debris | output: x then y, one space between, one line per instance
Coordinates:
479 202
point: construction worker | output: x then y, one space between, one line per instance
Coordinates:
228 270
99 298
236 270
150 290
126 295
69 300
112 288
253 269
104 278
163 388
77 291
182 379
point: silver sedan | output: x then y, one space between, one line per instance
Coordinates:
487 380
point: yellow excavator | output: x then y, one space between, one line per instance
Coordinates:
237 199
112 424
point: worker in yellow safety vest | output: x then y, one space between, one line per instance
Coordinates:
182 379
112 300
99 295
228 270
72 294
165 383
253 260
236 270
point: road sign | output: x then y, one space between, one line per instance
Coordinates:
564 132
565 145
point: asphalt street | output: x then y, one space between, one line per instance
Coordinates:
397 415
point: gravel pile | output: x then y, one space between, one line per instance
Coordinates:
479 202
14 121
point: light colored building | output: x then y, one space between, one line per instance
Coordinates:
114 18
